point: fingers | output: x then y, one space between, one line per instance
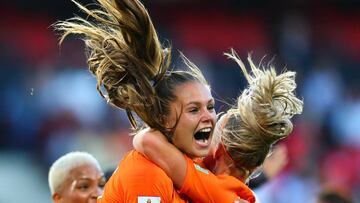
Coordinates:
276 162
238 200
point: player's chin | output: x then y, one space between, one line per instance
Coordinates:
200 152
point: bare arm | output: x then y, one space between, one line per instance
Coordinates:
154 145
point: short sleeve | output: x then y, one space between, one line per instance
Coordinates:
136 180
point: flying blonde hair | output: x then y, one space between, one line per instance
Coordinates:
262 115
128 60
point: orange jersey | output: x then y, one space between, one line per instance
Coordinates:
139 180
201 185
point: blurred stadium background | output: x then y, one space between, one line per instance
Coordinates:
49 104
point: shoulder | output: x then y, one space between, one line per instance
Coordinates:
137 173
195 175
134 163
137 178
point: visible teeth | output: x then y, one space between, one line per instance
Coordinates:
205 141
205 130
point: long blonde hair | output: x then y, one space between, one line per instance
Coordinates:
262 115
128 60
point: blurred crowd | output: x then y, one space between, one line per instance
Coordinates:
49 104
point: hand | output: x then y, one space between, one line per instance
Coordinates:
275 162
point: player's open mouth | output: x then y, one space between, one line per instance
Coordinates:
202 136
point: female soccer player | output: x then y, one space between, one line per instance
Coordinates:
242 140
76 177
131 67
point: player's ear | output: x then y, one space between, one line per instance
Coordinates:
56 197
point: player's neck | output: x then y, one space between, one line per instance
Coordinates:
220 162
